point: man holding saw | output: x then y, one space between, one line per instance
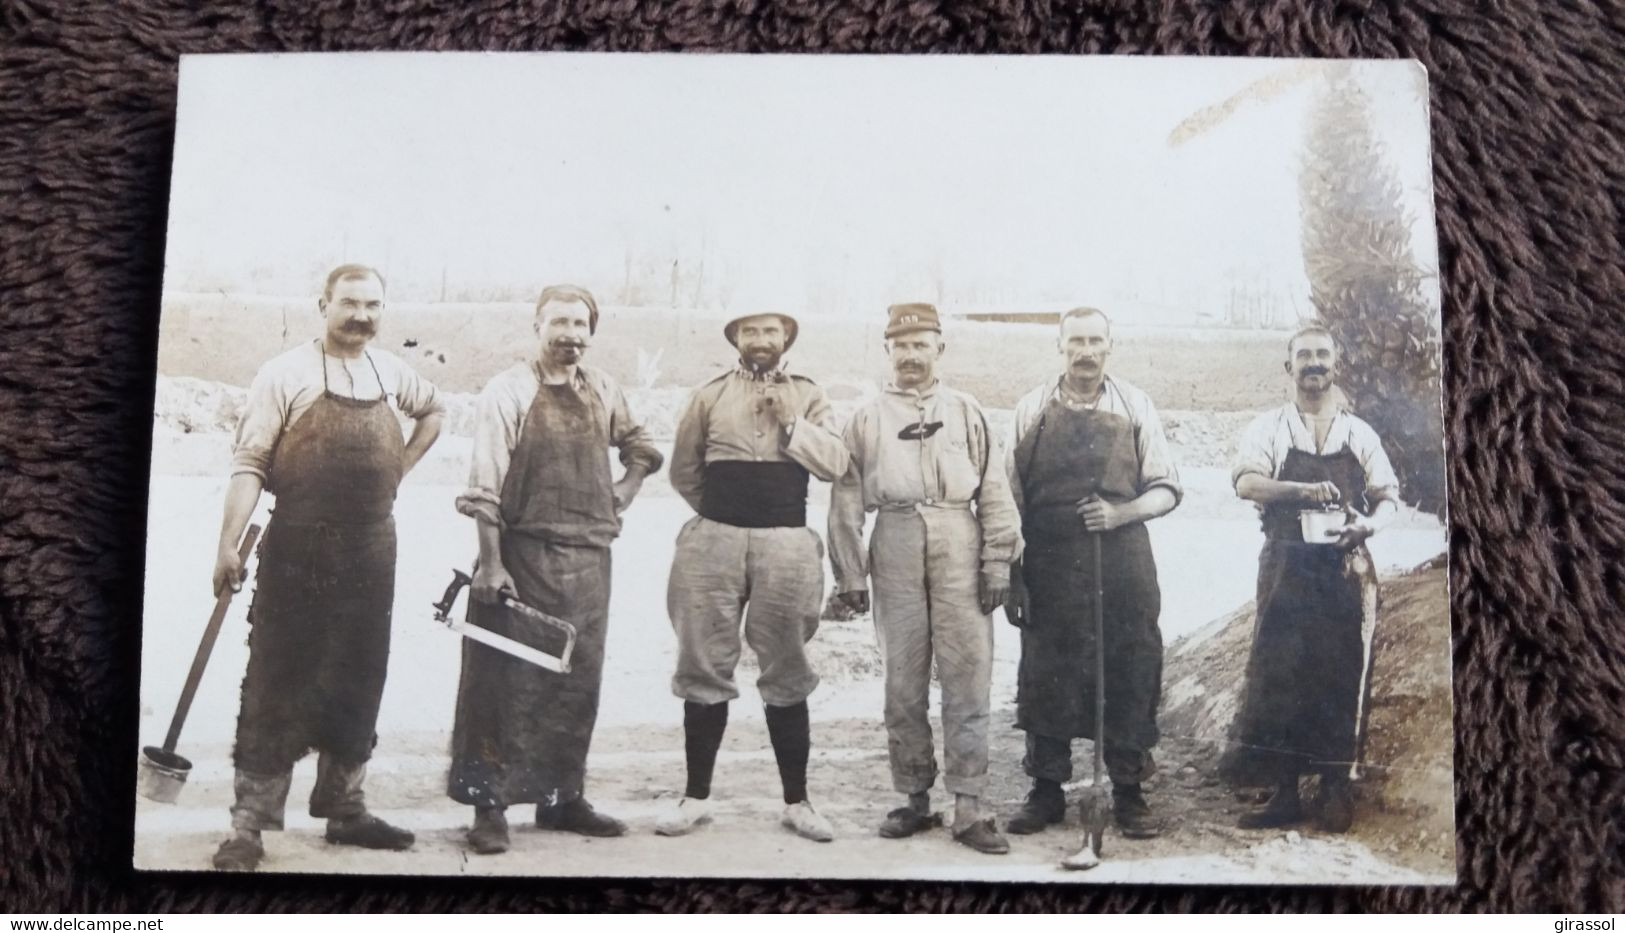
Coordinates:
546 508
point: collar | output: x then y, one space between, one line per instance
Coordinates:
929 391
1056 390
580 379
776 374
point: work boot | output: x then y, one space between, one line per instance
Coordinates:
906 821
689 814
807 822
580 818
1284 809
1334 805
1132 814
983 836
242 852
368 832
489 834
1045 806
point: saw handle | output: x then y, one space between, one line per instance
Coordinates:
458 581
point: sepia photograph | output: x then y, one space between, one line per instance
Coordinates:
853 467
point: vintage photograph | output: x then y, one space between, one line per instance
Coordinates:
976 468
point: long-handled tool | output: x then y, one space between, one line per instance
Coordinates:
1097 801
518 649
162 773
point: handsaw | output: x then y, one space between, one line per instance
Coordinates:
502 643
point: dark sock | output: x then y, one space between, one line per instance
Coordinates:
1045 787
703 725
791 735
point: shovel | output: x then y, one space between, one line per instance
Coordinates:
162 773
558 664
1097 801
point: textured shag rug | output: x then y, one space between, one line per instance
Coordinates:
1528 104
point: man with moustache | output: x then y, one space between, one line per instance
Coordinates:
946 532
1089 467
1305 706
318 432
546 509
745 446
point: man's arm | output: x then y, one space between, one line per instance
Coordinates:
639 454
811 439
847 556
1259 488
425 431
242 495
995 512
687 469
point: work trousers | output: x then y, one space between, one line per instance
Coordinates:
262 799
925 564
774 578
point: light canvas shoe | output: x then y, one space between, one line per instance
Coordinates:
807 822
686 816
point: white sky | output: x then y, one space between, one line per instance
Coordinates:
1032 180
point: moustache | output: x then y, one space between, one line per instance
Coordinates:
359 327
1314 371
570 343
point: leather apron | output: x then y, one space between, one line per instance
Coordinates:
522 732
1305 701
325 589
1068 456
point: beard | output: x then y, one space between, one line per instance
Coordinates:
762 359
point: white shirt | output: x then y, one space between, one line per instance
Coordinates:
1265 443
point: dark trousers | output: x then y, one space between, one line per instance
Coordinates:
263 798
1050 758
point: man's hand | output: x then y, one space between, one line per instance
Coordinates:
1353 534
1323 493
491 583
994 588
776 402
1100 515
228 571
626 490
1015 604
855 600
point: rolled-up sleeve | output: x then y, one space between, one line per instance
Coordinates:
416 396
629 436
496 433
1157 467
995 506
1381 482
847 556
1255 452
265 415
813 442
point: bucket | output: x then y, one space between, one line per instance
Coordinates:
162 774
1315 523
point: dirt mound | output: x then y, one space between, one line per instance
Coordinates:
1406 797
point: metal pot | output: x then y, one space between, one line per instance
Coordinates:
1315 523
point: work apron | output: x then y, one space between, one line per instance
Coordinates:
325 589
522 732
1308 677
1066 457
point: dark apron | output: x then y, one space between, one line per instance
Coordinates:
325 590
1308 677
1068 456
522 732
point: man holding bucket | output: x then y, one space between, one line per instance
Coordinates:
318 432
547 509
1089 467
1323 485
